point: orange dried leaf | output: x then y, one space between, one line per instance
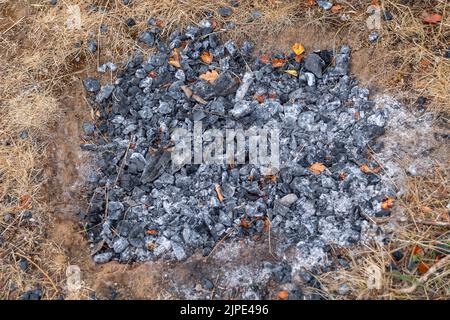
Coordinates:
260 98
417 251
343 175
207 57
210 76
317 168
431 18
283 295
377 169
219 192
152 232
298 58
387 203
153 74
422 267
244 223
365 168
266 225
336 8
24 201
278 63
426 209
298 48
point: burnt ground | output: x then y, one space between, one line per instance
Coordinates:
230 268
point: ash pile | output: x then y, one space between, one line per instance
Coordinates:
143 207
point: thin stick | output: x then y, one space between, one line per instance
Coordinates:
123 161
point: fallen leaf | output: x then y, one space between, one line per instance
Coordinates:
317 168
153 74
422 267
425 62
209 76
298 58
416 251
266 224
426 209
260 98
207 57
174 59
24 201
376 170
298 48
365 168
336 8
152 232
265 59
244 223
293 73
431 18
387 203
283 295
357 115
219 192
278 63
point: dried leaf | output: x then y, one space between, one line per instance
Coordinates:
187 91
219 192
317 168
153 74
416 251
298 58
266 225
365 168
293 73
244 223
283 295
271 178
199 99
298 48
336 8
210 76
174 59
152 232
431 18
207 57
24 202
387 203
260 98
278 63
265 59
426 209
422 267
376 170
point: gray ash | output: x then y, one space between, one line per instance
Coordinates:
142 208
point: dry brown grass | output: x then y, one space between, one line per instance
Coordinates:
40 59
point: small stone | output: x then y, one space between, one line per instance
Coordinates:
130 22
343 289
120 245
105 93
326 5
102 257
165 107
373 36
53 2
310 79
225 11
148 38
207 284
289 199
7 218
314 64
88 128
126 2
241 109
103 28
32 295
387 15
91 84
92 45
256 14
23 264
398 255
178 251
